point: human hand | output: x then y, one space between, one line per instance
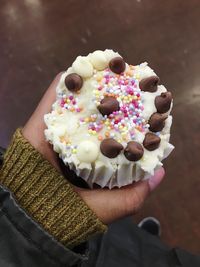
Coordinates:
108 205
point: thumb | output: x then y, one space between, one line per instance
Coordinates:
110 205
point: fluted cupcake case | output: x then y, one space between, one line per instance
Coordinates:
111 121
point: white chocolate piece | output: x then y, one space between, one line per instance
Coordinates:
98 60
87 151
83 67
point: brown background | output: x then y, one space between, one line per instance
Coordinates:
39 38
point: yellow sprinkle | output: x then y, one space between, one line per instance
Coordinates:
68 101
109 128
86 119
107 134
74 151
129 73
134 97
99 77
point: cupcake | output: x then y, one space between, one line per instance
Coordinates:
111 121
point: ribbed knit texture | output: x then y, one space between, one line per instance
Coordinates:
46 195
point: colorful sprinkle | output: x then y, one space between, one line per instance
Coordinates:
125 88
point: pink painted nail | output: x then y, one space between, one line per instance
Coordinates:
155 180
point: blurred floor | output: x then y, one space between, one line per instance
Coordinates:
39 38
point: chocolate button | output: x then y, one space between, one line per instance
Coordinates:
151 141
157 122
117 65
149 84
108 105
163 102
110 148
134 151
73 82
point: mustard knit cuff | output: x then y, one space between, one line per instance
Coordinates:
46 195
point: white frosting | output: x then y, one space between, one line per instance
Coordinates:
80 149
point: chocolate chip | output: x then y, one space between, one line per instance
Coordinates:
107 105
134 151
117 65
151 141
149 84
163 102
157 122
110 148
73 82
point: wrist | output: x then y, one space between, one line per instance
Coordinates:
46 195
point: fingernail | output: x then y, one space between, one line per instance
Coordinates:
156 179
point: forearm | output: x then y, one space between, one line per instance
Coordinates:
46 195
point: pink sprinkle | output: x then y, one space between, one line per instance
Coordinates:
100 88
107 81
138 94
73 102
98 128
71 97
78 109
132 82
136 105
130 92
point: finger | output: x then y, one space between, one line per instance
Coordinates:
49 97
44 106
110 205
33 131
156 179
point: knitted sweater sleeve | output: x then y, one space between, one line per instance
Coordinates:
46 195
